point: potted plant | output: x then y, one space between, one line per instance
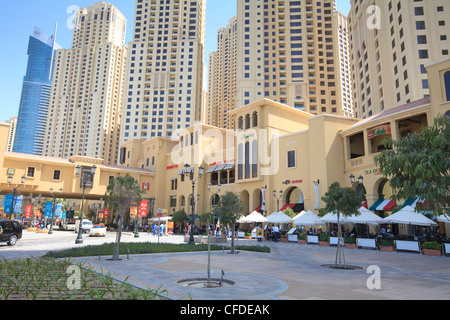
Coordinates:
432 248
324 240
350 242
301 238
386 245
247 235
284 238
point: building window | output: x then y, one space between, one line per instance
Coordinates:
291 159
173 201
57 175
30 172
447 84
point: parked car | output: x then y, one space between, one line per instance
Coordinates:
69 226
86 226
98 230
12 231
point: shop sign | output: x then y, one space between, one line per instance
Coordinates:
379 131
146 186
143 209
373 171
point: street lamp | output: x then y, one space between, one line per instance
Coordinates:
22 182
78 173
278 198
219 188
352 179
201 171
53 209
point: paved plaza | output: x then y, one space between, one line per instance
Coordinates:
290 272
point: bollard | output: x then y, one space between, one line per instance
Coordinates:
128 254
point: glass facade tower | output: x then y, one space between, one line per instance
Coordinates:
37 83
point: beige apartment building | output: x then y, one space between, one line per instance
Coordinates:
164 90
222 77
390 44
279 148
288 51
12 133
86 100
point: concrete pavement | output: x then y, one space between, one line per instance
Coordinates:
290 272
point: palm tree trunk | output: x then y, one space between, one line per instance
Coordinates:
118 237
232 237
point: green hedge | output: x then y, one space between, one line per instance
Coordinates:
143 248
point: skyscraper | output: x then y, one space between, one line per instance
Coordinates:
288 51
164 89
88 85
390 44
32 117
12 133
222 78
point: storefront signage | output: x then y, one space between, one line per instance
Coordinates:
373 171
28 211
143 209
172 167
297 181
146 186
10 171
379 131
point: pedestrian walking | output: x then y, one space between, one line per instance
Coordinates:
275 231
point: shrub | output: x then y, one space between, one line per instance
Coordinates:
324 237
350 240
433 245
301 236
386 243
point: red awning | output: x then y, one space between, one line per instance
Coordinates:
290 205
365 205
258 209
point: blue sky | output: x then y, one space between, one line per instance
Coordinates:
19 17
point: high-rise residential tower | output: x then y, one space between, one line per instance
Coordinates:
164 89
12 133
222 78
390 44
34 102
88 86
288 51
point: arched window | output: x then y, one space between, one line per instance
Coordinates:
255 119
255 159
241 123
240 162
447 84
247 160
247 121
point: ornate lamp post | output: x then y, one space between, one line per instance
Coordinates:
274 192
22 182
201 171
84 183
53 209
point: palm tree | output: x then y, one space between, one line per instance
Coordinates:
229 211
345 202
121 192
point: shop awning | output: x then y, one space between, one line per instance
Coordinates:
258 209
211 169
365 205
296 207
220 168
229 166
383 205
289 205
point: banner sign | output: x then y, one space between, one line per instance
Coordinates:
48 209
106 213
58 210
18 204
8 203
379 131
28 211
133 210
143 209
263 192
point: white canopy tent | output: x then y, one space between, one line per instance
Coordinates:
279 217
332 218
163 219
366 217
254 217
444 218
308 218
299 215
408 215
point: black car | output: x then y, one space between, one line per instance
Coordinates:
12 231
